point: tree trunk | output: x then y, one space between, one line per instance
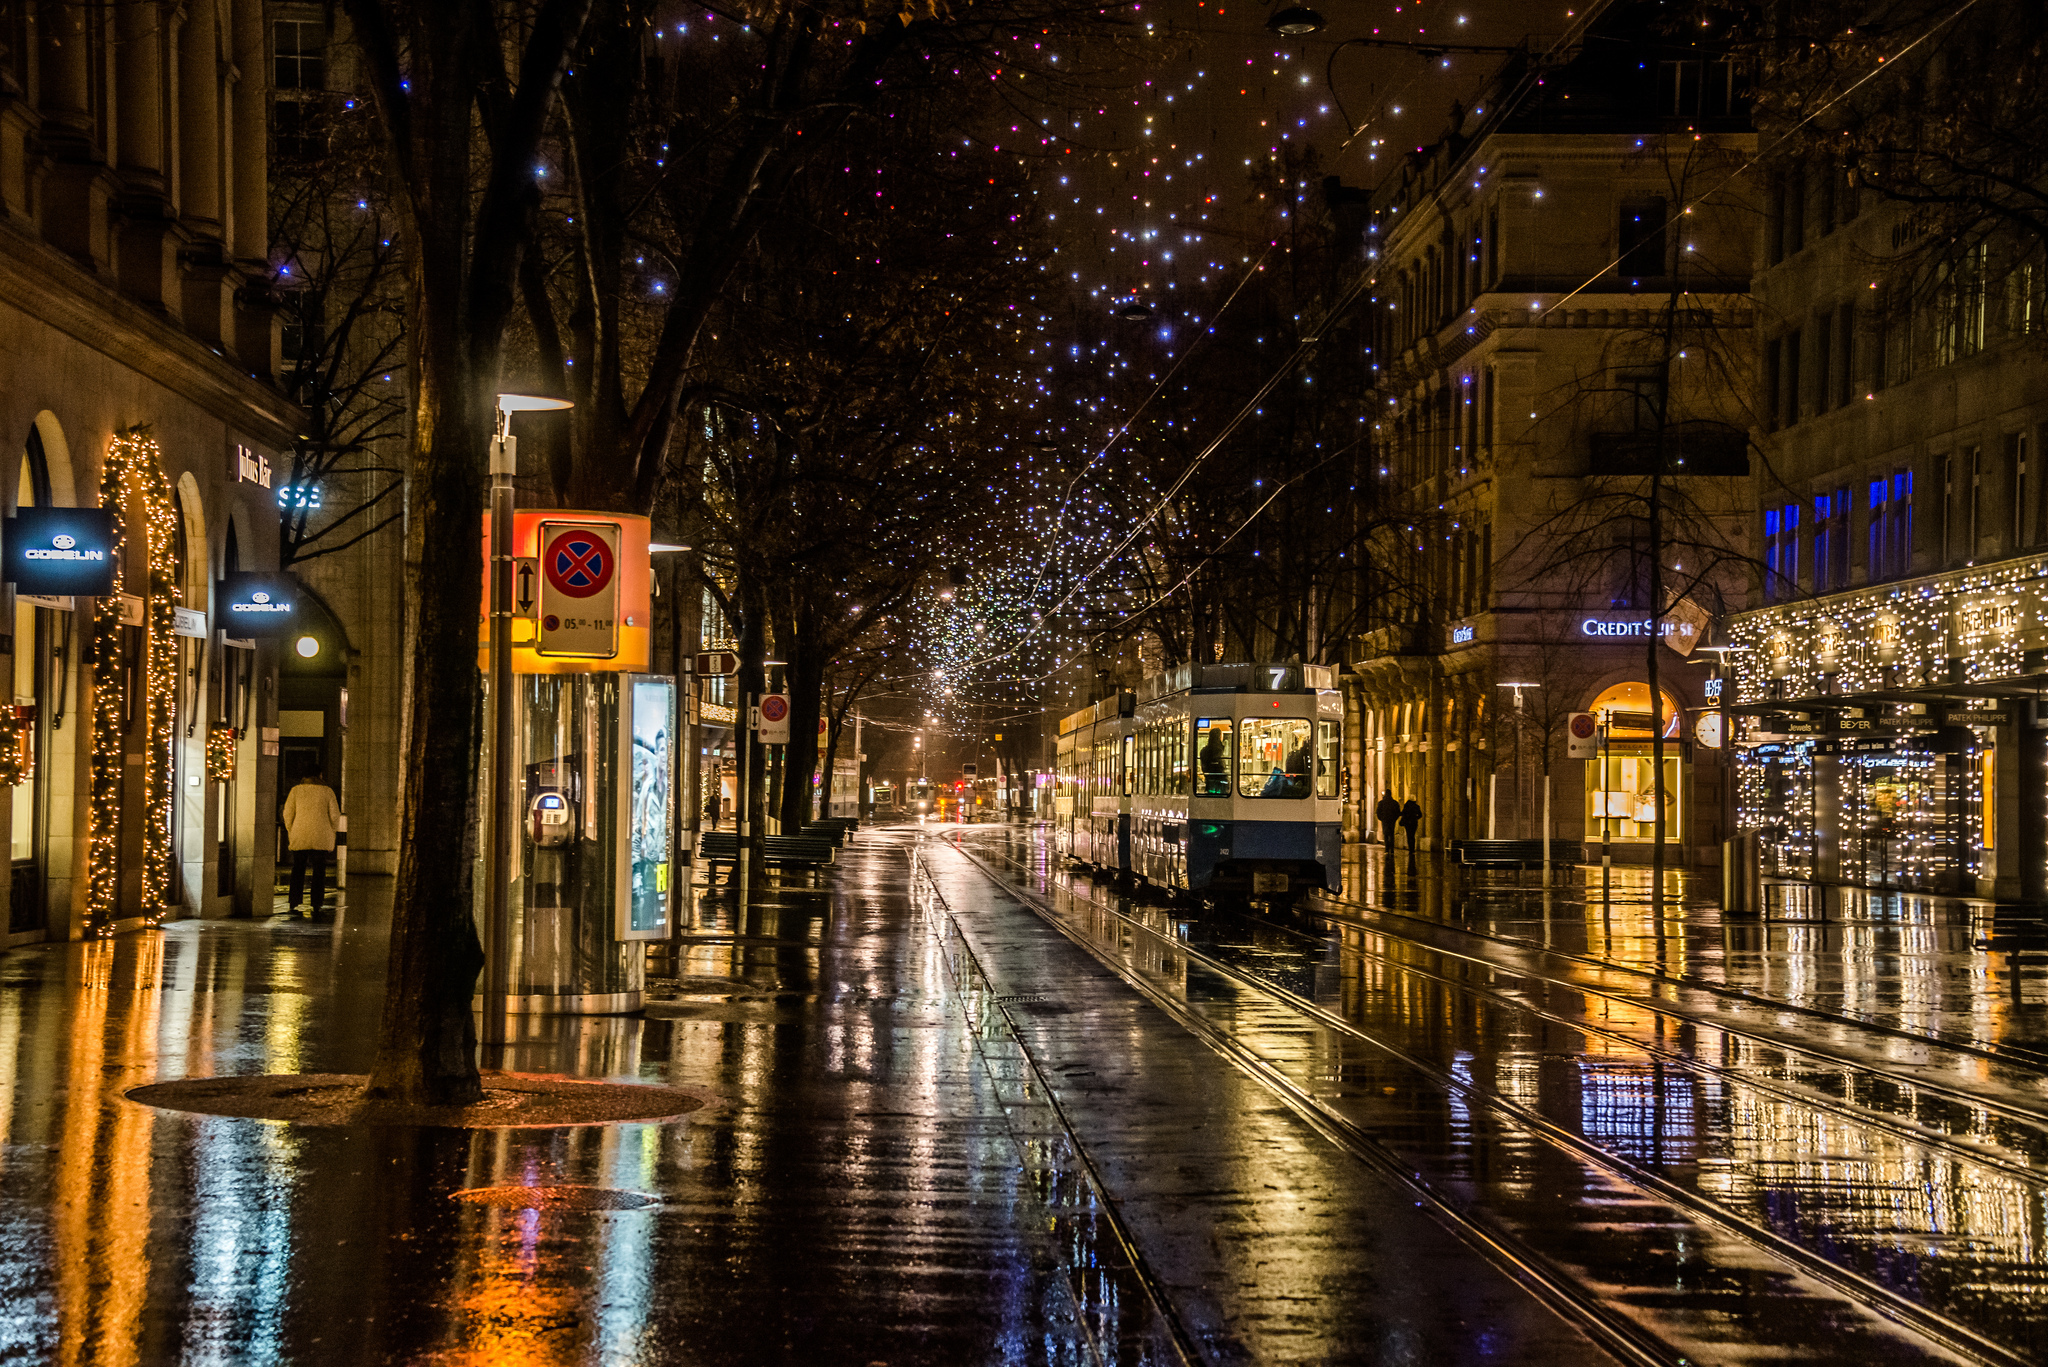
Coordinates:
806 684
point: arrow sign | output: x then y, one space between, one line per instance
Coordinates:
525 583
714 662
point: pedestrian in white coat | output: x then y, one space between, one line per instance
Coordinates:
312 816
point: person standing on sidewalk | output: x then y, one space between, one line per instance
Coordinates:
1411 821
312 816
1388 812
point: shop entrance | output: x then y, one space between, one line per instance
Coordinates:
1621 785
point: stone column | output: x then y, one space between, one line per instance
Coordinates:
77 189
148 240
255 315
248 156
206 283
199 130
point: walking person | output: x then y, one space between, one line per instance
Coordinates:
1411 821
312 817
1388 812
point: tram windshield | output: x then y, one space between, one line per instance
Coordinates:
1273 758
1212 756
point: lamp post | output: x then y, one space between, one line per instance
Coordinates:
1518 685
499 820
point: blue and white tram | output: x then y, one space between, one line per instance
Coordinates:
1220 780
1092 802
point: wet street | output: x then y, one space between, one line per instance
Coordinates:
967 1106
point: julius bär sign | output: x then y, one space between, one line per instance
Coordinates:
579 564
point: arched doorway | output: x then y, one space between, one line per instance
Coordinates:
1621 785
35 632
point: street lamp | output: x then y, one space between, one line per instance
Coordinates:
1493 779
499 821
1295 21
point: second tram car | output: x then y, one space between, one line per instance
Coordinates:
1220 780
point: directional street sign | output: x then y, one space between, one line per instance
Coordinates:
525 586
716 662
579 589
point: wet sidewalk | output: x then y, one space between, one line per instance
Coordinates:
881 1174
851 1193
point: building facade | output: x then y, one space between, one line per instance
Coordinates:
1562 342
1887 700
137 361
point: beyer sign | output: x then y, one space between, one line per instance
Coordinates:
257 604
61 550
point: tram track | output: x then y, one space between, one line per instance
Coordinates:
1922 1136
2002 1054
1552 1283
2035 1119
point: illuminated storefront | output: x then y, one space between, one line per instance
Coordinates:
1621 787
1881 734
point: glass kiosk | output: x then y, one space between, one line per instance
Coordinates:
593 751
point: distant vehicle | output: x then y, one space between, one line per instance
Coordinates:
884 800
924 798
1219 780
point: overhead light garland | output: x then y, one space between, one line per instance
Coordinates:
133 477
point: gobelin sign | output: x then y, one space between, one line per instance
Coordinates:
579 590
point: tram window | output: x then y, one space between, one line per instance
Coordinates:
1273 758
1328 757
1175 739
1130 774
1212 741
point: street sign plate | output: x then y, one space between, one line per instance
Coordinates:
774 712
526 586
715 662
579 590
1582 736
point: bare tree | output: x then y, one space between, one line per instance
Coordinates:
463 96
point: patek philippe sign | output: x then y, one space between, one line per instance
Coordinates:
252 603
60 550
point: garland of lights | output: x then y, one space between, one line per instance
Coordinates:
132 472
1956 628
220 753
17 745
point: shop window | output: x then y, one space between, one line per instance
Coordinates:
1831 542
1273 758
1212 756
1781 551
2019 482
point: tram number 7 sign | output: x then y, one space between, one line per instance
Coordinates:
579 590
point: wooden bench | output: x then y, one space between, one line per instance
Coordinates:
777 852
2022 939
1513 854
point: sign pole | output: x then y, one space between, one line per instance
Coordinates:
746 796
498 819
1606 823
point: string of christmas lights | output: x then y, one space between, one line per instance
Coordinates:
132 476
